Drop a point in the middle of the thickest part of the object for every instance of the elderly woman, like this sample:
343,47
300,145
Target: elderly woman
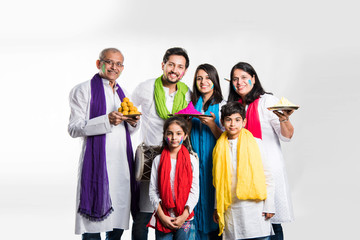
269,126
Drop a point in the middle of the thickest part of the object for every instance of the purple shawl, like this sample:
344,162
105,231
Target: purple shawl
95,202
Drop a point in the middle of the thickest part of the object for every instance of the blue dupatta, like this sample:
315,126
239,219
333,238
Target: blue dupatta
203,142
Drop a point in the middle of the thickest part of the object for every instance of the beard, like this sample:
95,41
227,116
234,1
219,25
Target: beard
171,81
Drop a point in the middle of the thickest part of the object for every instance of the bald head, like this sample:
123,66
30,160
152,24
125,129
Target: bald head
106,50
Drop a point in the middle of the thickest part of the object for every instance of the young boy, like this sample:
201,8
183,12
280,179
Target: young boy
242,179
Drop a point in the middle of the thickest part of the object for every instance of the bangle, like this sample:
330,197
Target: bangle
285,120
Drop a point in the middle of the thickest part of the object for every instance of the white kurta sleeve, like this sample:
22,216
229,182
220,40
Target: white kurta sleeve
136,128
223,103
136,96
215,202
272,118
269,203
188,95
194,191
80,125
153,187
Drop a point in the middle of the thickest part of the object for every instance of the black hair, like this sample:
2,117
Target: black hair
232,108
216,97
185,127
255,92
176,51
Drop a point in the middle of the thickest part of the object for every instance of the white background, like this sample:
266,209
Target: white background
307,51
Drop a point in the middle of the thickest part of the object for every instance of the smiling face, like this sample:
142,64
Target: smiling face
204,83
174,69
233,124
111,66
242,82
174,136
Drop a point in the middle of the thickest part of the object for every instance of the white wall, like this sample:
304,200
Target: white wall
307,51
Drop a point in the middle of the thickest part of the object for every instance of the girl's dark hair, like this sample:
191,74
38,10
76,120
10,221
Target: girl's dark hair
214,77
176,51
255,92
185,127
231,108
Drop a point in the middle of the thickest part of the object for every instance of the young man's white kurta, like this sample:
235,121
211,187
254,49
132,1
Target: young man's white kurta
151,126
116,157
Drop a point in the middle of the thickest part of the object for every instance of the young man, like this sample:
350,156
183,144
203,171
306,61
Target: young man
242,179
106,177
158,98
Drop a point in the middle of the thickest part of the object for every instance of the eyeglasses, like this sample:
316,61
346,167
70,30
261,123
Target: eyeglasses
110,62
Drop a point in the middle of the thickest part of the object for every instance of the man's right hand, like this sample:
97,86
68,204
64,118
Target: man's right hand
115,118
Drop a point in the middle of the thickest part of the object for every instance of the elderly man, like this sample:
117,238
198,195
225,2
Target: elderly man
158,97
106,186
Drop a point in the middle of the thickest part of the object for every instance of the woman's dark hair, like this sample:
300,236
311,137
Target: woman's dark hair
255,92
185,127
232,108
176,51
214,77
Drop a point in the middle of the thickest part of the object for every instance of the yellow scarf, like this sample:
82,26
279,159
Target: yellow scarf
250,173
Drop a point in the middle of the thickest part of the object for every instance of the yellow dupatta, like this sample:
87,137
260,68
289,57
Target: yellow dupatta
250,184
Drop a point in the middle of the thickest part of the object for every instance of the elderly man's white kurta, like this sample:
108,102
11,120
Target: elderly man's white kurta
116,157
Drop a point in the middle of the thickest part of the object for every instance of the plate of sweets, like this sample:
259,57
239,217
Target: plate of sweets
189,111
128,109
284,104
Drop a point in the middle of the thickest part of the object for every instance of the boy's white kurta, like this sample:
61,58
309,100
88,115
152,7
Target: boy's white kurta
271,134
151,126
154,190
243,219
116,157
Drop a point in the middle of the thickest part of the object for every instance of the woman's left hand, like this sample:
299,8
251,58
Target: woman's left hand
284,115
287,129
208,121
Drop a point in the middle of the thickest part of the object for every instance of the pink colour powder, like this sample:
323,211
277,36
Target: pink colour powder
190,109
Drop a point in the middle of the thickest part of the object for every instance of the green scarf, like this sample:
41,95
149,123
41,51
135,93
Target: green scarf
179,100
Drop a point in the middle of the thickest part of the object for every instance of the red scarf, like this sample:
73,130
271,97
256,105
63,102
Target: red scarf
253,119
182,184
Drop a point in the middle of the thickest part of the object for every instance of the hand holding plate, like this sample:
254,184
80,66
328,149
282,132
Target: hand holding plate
284,115
208,121
132,120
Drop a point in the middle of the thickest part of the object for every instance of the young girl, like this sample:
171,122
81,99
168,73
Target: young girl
207,98
174,183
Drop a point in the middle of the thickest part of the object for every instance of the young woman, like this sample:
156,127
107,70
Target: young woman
174,183
207,98
269,126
